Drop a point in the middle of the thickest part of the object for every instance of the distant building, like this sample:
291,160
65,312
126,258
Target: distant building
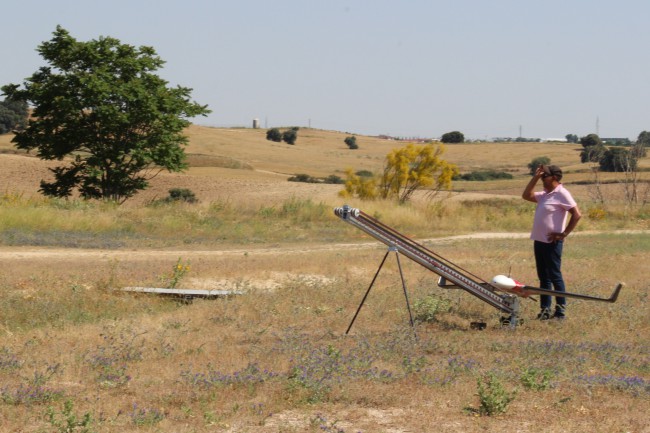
616,141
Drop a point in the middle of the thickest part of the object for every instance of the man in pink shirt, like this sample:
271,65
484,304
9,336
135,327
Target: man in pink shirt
550,229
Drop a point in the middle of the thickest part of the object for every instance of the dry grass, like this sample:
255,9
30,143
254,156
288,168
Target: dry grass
276,359
178,363
241,165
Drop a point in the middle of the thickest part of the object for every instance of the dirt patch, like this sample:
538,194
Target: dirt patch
275,281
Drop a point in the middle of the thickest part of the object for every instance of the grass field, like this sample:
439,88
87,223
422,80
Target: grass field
77,353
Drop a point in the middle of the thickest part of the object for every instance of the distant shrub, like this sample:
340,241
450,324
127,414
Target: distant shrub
305,178
597,213
290,136
364,187
536,162
331,179
351,142
181,194
364,173
274,134
334,179
485,175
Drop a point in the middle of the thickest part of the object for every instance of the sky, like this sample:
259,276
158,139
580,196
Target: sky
407,68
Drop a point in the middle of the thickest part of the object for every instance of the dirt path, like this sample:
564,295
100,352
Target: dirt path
32,253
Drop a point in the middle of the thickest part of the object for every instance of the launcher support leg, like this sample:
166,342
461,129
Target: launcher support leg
513,320
406,296
408,307
367,291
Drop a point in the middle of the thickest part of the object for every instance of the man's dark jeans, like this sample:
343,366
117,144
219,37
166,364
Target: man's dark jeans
548,258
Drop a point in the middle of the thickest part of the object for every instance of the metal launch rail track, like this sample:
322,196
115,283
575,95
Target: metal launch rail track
448,271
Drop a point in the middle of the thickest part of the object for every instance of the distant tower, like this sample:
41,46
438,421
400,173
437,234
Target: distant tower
597,126
520,131
256,123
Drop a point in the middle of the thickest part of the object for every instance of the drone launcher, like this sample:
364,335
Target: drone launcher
447,271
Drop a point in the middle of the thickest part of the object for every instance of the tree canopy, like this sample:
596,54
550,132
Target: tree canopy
13,115
274,134
593,148
618,159
102,103
639,149
290,136
572,138
351,142
453,137
591,140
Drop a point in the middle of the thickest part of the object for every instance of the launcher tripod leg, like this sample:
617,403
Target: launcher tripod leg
408,307
513,320
406,296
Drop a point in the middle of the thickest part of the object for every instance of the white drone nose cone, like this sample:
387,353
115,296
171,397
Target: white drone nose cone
503,282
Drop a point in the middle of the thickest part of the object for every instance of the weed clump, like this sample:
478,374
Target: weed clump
68,421
493,397
428,308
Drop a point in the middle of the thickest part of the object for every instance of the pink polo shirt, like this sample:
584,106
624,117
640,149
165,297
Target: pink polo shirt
551,212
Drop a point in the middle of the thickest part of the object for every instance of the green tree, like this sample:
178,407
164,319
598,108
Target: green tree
452,137
102,103
274,134
572,138
536,162
13,115
592,153
618,159
639,149
631,181
290,136
593,148
591,140
351,142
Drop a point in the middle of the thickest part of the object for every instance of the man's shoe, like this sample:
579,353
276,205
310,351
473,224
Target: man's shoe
559,313
545,314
